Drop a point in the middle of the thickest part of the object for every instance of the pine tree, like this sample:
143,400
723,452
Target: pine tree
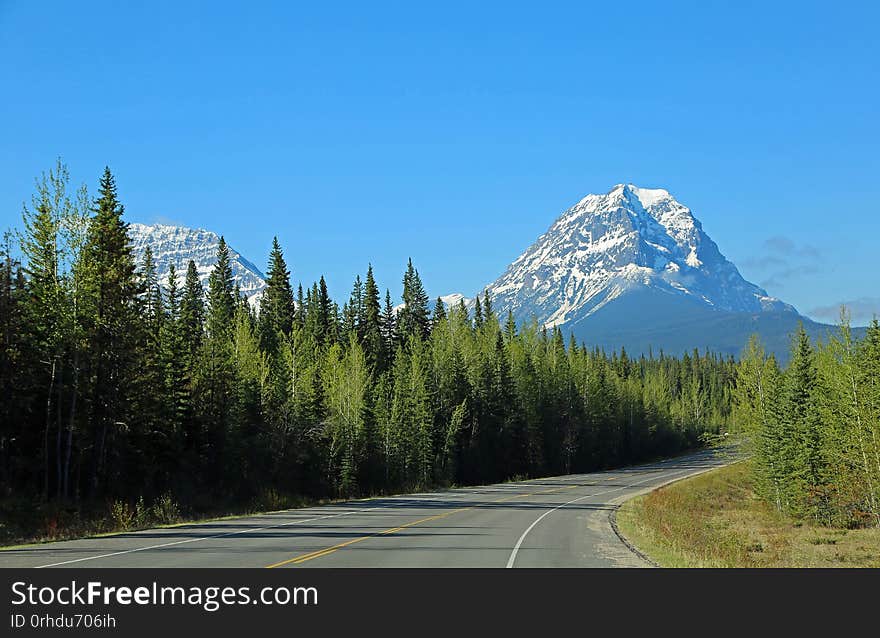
14,363
192,315
276,304
356,308
326,314
439,313
113,327
413,318
148,433
174,357
46,299
215,373
299,315
221,295
371,333
389,324
488,312
510,327
801,420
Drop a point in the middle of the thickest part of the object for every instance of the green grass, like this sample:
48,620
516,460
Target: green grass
716,520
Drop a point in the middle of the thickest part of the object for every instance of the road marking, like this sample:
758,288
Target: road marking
204,538
329,550
302,558
519,543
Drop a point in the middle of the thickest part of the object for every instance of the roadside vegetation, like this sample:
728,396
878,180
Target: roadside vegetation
24,520
718,519
808,494
813,429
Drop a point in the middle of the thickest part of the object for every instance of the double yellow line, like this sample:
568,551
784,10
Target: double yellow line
296,560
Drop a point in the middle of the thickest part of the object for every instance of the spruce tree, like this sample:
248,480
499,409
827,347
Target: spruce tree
802,453
221,295
439,312
192,315
113,327
413,319
372,337
488,312
299,315
326,314
389,324
46,301
276,304
478,313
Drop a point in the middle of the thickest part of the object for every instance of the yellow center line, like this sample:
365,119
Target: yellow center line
296,560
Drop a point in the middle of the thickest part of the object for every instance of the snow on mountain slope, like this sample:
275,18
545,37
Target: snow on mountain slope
626,240
449,301
178,244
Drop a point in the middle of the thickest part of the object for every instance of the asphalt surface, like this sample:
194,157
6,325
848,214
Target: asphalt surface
550,522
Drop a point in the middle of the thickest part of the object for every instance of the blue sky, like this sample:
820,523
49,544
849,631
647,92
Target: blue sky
455,133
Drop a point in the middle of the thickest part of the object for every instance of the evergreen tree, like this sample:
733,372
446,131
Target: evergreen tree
374,343
389,324
221,295
276,304
801,420
192,315
46,303
112,329
439,312
413,318
488,312
14,360
326,314
299,315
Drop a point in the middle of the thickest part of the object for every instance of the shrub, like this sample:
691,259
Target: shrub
122,515
166,510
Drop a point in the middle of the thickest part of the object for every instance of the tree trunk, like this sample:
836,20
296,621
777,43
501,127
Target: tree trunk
58,431
46,431
65,486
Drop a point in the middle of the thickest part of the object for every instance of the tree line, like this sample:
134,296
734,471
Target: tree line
119,386
813,429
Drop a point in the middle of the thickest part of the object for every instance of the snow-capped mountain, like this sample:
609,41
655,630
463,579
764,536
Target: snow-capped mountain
608,245
633,267
178,244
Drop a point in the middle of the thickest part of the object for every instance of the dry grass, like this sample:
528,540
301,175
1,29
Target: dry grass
715,520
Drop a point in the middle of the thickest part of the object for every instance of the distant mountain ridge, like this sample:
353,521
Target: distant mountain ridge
634,268
629,268
179,245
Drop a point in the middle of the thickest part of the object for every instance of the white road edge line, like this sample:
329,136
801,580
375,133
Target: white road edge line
519,543
205,538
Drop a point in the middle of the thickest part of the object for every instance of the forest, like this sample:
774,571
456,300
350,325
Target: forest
812,430
124,392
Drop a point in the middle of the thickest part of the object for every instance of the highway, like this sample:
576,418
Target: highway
549,522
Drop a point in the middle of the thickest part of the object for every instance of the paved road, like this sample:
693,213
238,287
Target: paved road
550,522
